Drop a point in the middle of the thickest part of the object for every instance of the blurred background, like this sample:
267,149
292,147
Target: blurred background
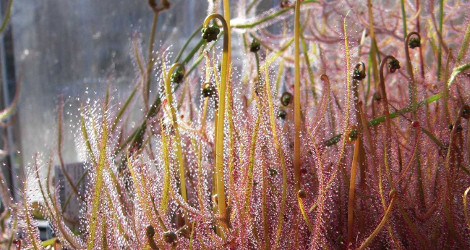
74,49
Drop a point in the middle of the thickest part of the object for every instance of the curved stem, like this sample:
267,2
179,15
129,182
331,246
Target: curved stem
179,152
410,71
386,112
414,104
219,147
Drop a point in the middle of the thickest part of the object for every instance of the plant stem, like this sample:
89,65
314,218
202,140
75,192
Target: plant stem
150,59
280,152
465,209
195,32
418,29
381,224
297,115
269,17
309,68
464,46
95,205
7,16
59,152
439,50
414,104
373,48
386,114
403,16
219,147
179,151
352,185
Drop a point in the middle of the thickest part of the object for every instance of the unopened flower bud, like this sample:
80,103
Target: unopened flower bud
286,98
414,43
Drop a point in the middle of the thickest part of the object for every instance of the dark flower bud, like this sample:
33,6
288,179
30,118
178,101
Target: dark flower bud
414,43
393,65
359,74
377,96
169,237
150,231
208,90
272,171
153,4
302,194
415,124
178,75
286,98
165,4
282,114
255,46
352,136
210,33
465,112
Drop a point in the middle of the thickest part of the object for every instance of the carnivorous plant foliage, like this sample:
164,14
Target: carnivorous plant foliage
288,146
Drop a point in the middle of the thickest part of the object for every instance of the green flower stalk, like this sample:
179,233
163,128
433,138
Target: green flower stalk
219,141
179,153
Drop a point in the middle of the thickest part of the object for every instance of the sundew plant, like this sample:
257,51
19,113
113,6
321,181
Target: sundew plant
340,125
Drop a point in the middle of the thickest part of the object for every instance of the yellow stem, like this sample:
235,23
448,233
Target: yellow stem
352,184
219,147
98,186
373,43
465,209
179,153
166,180
280,218
304,214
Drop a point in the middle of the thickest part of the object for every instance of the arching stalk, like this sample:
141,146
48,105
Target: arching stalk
219,142
386,113
179,153
414,105
412,87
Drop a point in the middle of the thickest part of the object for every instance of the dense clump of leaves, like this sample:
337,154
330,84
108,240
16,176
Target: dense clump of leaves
379,166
